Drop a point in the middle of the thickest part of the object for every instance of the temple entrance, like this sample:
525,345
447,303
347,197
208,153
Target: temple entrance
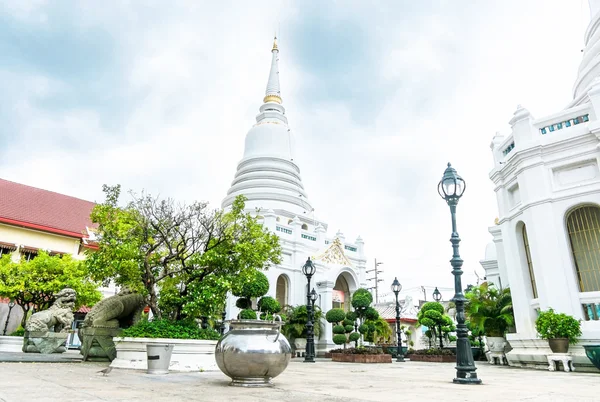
281,290
341,293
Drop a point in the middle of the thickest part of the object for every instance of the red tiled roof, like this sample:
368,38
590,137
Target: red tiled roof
84,309
45,210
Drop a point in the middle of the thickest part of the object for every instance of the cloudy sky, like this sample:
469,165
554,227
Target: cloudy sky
381,95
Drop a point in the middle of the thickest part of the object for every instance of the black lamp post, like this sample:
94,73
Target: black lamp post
309,269
11,304
313,298
222,327
451,188
437,296
396,288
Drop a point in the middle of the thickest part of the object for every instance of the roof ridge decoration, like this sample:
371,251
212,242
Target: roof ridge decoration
334,254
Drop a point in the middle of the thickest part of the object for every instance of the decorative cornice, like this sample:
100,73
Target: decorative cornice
272,98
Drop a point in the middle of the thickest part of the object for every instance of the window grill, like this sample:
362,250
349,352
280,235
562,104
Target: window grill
583,225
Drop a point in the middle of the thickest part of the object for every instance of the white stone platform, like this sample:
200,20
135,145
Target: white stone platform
188,354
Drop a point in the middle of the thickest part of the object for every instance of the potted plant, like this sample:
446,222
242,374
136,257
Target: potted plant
491,310
559,329
294,327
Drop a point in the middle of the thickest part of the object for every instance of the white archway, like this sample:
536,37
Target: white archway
345,284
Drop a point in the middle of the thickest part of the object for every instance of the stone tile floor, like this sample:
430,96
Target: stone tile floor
321,381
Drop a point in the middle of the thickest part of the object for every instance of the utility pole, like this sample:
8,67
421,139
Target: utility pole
375,278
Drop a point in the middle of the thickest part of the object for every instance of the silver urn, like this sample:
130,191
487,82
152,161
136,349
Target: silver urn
253,352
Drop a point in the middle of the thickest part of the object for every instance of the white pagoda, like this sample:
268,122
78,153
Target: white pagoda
269,177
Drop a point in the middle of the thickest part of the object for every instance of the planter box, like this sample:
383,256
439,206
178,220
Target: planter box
432,358
188,354
341,357
11,343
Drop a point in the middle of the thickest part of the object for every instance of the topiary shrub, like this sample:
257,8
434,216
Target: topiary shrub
335,315
351,315
347,322
268,304
339,329
253,284
363,329
355,336
243,303
371,314
247,314
361,299
339,339
349,328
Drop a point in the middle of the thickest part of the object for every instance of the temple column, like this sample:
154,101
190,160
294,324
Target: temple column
325,289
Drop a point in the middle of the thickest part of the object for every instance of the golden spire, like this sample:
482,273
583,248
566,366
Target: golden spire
275,43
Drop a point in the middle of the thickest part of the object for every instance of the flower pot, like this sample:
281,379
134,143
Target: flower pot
253,352
496,344
593,353
559,345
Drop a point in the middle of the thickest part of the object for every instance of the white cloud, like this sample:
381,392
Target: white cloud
192,78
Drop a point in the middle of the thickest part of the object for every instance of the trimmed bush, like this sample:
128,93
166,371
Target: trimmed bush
339,329
371,314
347,322
248,314
339,339
268,304
335,315
355,336
243,303
254,284
363,329
187,329
351,315
349,328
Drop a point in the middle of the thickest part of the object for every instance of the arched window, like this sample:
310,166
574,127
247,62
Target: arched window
304,226
281,290
583,225
529,262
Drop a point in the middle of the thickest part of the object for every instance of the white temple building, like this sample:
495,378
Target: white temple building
546,241
269,177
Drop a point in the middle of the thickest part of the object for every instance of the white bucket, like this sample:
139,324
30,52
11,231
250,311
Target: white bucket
159,358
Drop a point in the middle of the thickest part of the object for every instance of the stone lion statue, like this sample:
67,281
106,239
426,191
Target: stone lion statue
104,322
58,318
47,331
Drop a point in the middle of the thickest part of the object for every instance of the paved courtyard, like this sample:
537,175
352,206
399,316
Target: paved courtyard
322,381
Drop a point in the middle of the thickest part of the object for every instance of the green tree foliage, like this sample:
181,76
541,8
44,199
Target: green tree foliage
296,319
32,284
433,316
190,255
251,283
490,309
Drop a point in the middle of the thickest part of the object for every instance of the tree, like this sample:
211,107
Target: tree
433,316
32,284
190,255
490,309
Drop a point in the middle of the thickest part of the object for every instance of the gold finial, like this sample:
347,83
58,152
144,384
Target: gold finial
496,221
275,44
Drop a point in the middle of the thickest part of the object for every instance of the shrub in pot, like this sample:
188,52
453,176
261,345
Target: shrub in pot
559,329
491,310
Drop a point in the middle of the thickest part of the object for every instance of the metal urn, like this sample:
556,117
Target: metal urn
253,352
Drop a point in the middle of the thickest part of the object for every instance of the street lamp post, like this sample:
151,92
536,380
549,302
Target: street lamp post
308,269
396,288
11,304
313,298
451,188
437,296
